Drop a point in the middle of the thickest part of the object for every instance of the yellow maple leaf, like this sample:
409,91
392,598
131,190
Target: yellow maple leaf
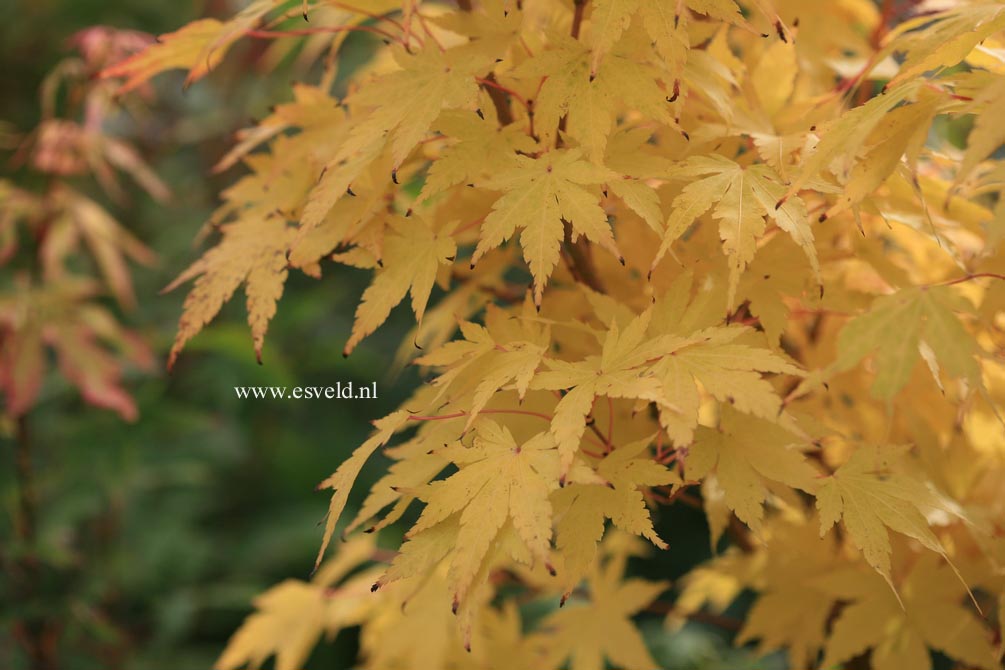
396,110
799,581
483,363
901,131
727,370
665,23
415,629
945,39
490,31
871,495
403,104
740,197
252,252
416,463
411,255
618,372
848,133
342,479
986,136
743,452
538,195
900,633
590,99
498,481
896,327
481,150
198,48
583,507
291,616
182,49
586,633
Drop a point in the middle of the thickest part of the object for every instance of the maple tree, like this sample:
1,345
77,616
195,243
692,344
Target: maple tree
697,252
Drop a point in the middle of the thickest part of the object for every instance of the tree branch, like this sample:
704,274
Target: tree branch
577,17
34,632
499,100
576,255
717,620
579,260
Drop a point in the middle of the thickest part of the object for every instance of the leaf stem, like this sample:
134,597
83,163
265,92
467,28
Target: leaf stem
610,423
304,32
429,32
960,280
458,415
373,15
490,81
577,17
717,620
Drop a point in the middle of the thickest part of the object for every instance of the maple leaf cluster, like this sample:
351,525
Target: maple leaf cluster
701,251
62,251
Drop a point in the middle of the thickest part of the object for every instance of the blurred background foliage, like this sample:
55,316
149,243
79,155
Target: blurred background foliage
154,536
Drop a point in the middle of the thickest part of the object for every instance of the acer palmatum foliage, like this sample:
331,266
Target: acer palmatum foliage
48,303
695,252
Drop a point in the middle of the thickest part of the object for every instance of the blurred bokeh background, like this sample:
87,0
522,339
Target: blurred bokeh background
152,537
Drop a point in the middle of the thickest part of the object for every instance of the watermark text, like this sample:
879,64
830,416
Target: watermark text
341,391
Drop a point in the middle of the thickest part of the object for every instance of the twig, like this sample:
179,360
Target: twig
26,482
304,32
33,631
960,280
373,15
717,620
494,83
576,255
610,423
458,415
577,17
740,535
429,32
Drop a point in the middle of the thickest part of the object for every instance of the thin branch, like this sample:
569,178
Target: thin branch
372,15
34,632
497,94
429,32
577,257
718,620
491,81
591,423
740,535
25,483
577,18
610,423
883,25
960,280
304,32
469,225
508,293
458,415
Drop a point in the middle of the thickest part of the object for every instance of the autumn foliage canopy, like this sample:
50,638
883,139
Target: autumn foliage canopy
746,256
